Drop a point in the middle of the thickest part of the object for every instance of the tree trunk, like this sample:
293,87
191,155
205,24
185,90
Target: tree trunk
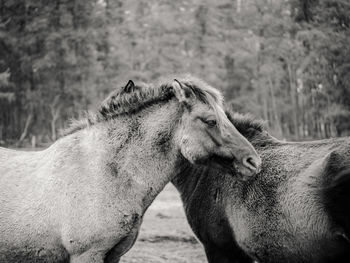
265,97
239,6
274,107
201,17
55,113
303,115
26,127
294,99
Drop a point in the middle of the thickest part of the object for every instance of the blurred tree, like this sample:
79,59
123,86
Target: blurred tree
287,61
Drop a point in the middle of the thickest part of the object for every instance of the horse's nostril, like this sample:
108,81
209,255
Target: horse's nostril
252,163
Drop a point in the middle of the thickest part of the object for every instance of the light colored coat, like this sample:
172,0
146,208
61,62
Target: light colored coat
82,199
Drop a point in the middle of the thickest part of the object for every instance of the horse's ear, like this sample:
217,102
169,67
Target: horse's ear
182,93
129,87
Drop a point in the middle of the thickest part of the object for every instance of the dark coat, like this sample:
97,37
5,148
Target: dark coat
295,210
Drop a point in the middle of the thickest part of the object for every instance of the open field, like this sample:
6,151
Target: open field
165,235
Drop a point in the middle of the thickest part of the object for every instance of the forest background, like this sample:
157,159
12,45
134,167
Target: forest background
286,61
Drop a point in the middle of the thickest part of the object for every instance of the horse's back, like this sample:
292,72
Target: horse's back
18,178
16,168
11,159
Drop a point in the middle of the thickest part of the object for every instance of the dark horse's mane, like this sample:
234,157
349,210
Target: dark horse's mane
244,122
255,130
126,100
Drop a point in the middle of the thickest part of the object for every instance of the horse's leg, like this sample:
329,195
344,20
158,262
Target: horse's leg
113,256
221,255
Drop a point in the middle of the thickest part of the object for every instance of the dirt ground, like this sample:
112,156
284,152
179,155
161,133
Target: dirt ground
165,235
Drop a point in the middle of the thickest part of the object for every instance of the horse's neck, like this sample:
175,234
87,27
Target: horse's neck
187,178
145,150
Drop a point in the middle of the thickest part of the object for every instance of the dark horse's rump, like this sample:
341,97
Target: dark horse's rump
295,210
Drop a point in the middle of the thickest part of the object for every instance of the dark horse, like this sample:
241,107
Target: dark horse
295,210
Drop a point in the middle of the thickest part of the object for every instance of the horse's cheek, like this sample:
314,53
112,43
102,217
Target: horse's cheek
194,153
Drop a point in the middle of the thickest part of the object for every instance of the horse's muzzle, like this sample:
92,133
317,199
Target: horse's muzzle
252,163
247,168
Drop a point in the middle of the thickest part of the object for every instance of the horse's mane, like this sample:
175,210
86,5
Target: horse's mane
244,122
250,127
128,100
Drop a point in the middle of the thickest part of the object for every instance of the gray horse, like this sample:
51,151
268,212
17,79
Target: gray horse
296,210
82,199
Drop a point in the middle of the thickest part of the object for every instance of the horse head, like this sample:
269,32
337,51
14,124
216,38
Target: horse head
206,135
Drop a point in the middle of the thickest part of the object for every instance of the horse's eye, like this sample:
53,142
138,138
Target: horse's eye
210,123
